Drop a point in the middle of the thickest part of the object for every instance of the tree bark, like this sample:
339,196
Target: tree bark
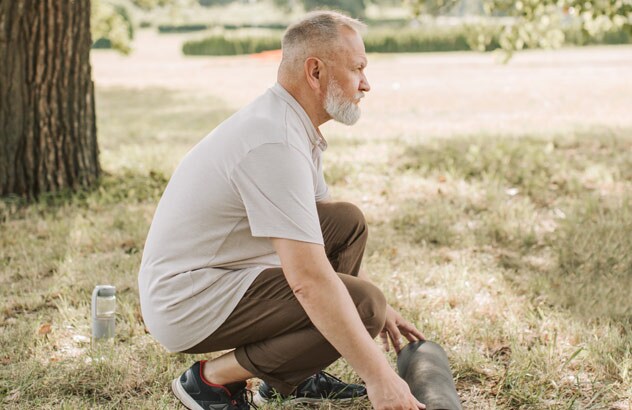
47,118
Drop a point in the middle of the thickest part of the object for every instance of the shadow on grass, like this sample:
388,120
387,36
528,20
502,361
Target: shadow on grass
544,169
556,214
54,252
126,187
593,250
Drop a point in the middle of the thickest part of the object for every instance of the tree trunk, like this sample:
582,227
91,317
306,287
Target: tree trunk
47,120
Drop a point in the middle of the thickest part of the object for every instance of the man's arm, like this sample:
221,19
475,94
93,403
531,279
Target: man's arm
396,326
328,304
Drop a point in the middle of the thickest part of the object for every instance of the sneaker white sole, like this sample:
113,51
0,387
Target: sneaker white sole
182,395
259,400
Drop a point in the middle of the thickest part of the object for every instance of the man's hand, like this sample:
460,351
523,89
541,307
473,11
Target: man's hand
396,327
392,393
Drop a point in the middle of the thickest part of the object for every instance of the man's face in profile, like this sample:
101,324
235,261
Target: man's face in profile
347,82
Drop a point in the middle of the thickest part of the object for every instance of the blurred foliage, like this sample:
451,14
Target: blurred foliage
210,3
542,23
383,40
111,25
537,23
432,7
354,8
150,4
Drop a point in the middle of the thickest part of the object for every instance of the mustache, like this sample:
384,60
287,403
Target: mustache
359,95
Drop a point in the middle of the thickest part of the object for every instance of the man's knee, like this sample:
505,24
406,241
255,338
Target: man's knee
349,218
371,307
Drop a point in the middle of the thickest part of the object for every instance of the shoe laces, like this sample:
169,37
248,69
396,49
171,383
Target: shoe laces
329,379
243,399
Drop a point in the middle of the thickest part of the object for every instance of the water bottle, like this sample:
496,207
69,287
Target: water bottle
103,313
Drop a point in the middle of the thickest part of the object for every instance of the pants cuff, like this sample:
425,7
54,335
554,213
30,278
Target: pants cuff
279,385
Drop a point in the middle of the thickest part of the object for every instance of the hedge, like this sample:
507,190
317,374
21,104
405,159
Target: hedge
271,26
407,40
581,38
416,41
221,46
182,28
102,43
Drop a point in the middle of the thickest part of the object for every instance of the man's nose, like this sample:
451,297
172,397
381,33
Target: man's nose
364,84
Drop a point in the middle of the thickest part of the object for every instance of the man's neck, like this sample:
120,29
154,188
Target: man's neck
305,98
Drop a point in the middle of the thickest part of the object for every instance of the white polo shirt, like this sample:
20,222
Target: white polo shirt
257,175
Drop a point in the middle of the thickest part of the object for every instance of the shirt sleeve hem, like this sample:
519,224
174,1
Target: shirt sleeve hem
291,236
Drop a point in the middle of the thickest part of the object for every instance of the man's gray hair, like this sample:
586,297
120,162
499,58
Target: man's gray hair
314,35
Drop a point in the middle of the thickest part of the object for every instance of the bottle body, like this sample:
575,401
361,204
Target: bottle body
103,313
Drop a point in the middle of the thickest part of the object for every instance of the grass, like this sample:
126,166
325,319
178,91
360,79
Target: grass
512,252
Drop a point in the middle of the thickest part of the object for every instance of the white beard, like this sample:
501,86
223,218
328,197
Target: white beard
341,110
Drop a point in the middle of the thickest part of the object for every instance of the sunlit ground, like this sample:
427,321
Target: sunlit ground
498,198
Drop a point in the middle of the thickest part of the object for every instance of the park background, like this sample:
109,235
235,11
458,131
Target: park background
496,184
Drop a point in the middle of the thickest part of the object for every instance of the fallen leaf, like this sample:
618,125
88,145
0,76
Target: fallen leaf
45,329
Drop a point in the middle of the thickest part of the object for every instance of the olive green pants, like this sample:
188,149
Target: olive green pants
273,337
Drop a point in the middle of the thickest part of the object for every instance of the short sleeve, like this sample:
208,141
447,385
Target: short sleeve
322,191
276,185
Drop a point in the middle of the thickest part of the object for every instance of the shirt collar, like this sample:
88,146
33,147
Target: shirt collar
314,134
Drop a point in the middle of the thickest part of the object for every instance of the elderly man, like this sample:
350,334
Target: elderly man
248,252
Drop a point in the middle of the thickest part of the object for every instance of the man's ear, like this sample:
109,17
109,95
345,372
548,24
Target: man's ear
314,72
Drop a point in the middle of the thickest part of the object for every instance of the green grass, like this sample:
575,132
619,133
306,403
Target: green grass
512,252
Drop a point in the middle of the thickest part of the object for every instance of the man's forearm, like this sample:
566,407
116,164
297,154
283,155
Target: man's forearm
331,309
328,304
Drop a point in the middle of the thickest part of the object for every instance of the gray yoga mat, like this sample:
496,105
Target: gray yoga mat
424,366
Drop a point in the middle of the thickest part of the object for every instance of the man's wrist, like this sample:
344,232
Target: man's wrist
377,369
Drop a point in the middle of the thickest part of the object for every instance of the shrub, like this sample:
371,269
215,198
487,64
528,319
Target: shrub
415,40
355,8
384,40
120,15
268,26
102,43
221,45
578,37
183,28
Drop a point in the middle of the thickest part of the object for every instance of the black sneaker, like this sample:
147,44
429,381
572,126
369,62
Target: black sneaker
319,387
198,394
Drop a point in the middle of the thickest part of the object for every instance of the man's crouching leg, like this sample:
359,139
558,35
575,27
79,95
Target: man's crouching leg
275,339
345,233
289,358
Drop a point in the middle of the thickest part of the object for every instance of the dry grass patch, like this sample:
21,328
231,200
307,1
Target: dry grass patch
513,253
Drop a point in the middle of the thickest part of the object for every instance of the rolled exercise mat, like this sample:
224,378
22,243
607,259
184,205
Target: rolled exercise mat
424,366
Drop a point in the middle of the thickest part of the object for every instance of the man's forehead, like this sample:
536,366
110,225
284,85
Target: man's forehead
352,47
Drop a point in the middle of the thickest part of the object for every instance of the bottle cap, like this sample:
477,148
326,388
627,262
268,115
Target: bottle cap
106,290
